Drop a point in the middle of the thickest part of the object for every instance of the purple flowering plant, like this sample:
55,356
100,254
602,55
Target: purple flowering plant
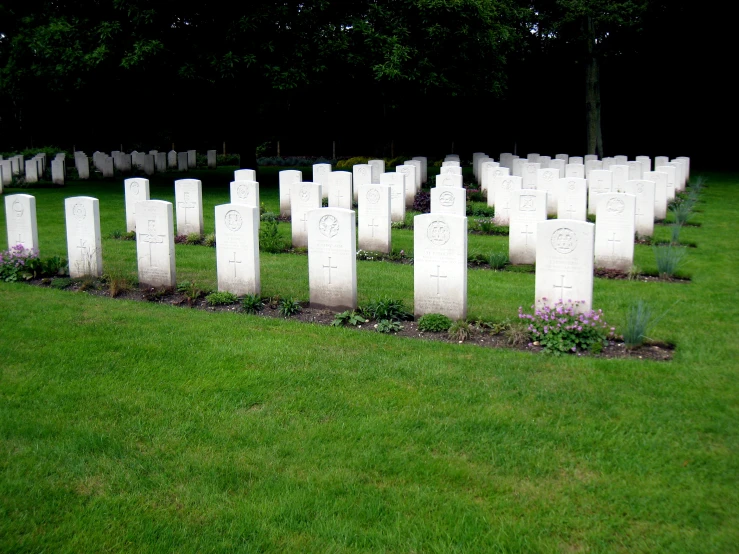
17,262
561,329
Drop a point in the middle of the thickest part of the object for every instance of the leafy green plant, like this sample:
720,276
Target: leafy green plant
269,236
60,282
252,303
480,209
194,238
190,291
117,234
221,298
387,308
16,262
388,326
498,260
209,240
349,317
434,323
495,327
668,258
562,328
459,330
288,307
633,273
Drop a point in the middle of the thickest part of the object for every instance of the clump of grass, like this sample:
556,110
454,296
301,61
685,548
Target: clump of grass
190,291
498,260
633,273
209,240
459,330
221,298
668,259
117,283
675,233
387,308
288,307
682,211
194,238
639,320
434,323
269,236
252,303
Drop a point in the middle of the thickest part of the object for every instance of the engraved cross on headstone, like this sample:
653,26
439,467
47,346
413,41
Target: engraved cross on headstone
184,206
150,239
330,267
234,261
84,250
305,222
571,210
372,227
613,242
561,287
526,234
437,277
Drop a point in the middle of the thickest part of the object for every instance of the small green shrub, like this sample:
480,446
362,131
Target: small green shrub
498,260
190,291
269,236
288,307
388,326
117,234
221,298
387,308
194,238
459,330
209,240
252,303
668,258
15,263
638,321
434,323
633,273
349,317
480,209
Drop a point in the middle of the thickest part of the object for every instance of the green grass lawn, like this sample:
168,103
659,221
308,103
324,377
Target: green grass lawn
128,426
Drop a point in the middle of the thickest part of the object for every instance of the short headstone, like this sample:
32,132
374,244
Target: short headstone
572,199
517,169
32,171
487,174
245,175
134,190
107,167
590,157
548,181
138,159
614,231
181,161
493,180
564,157
188,195
643,190
450,163
575,170
646,163
545,161
160,162
530,174
449,180
287,179
83,166
504,189
564,263
440,265
532,158
449,200
560,165
304,197
635,170
192,160
396,182
591,165
245,193
620,176
332,259
155,244
671,178
506,160
340,190
361,175
15,165
528,207
621,160
211,159
6,172
660,193
608,162
373,205
424,167
378,168
237,249
57,171
149,164
320,176
599,182
20,219
418,179
171,159
409,172
679,175
124,162
659,161
84,244
576,160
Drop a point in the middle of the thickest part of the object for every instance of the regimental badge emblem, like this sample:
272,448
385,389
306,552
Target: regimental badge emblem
242,191
134,188
615,206
328,226
78,210
373,196
564,240
305,193
438,232
527,203
446,199
233,220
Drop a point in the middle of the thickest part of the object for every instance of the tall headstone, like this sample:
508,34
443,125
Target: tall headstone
599,182
211,159
340,190
245,193
528,207
449,180
559,165
614,231
424,168
287,179
361,175
575,170
660,161
332,259
564,263
493,179
320,176
171,159
396,182
135,190
182,161
149,164
57,171
107,167
643,190
504,189
646,163
155,244
417,174
373,205
125,163
189,198
671,179
304,197
84,244
449,200
192,160
530,174
620,175
591,165
160,162
487,173
20,219
440,265
245,175
378,168
83,166
660,193
635,170
32,171
409,172
6,172
548,181
237,249
572,199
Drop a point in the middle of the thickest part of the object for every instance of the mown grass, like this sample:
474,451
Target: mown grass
141,427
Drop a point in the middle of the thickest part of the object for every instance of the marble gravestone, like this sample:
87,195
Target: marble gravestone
548,181
533,158
643,190
211,159
20,220
373,205
237,249
340,190
451,170
396,182
378,168
361,175
57,171
620,160
424,167
245,175
660,161
449,180
287,179
155,244
489,170
528,207
493,179
564,157
440,265
83,166
245,193
189,198
160,162
620,174
192,160
517,169
409,172
304,197
181,161
6,172
646,163
449,200
591,158
572,199
614,231
530,174
564,264
671,178
171,159
576,160
32,171
635,170
660,193
107,167
590,165
149,164
575,170
504,189
332,259
84,244
599,182
418,180
135,190
321,174
559,165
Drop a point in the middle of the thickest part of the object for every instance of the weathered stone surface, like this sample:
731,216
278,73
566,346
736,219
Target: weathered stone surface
528,207
84,244
155,244
135,190
237,248
189,197
332,259
374,217
20,220
614,231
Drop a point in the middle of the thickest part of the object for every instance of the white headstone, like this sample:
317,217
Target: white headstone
84,244
572,199
506,160
409,171
449,180
660,193
32,171
378,168
155,244
608,162
449,200
504,189
107,167
287,179
614,231
134,190
590,157
440,265
564,157
533,158
160,162
182,161
575,170
188,195
560,165
660,161
418,173
304,197
320,176
620,176
591,165
424,167
211,159
332,259
149,164
548,181
576,160
671,178
83,166
528,207
621,160
57,171
396,182
493,180
545,161
340,190
599,182
374,217
530,173
643,190
450,163
487,174
245,193
6,172
20,219
635,170
646,163
245,175
191,159
564,263
171,159
237,249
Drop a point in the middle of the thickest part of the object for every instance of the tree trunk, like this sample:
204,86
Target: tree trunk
594,136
